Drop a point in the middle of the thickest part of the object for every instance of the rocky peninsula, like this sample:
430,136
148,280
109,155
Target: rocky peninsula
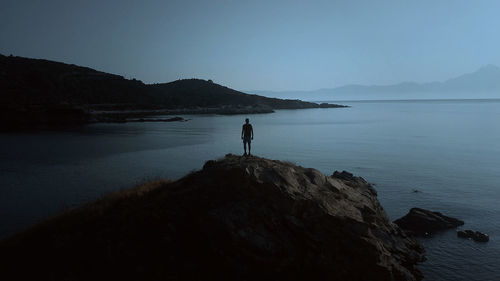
42,93
238,218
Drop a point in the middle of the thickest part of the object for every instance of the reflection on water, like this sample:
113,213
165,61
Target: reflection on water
449,150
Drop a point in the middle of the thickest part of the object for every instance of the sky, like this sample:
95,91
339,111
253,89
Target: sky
259,45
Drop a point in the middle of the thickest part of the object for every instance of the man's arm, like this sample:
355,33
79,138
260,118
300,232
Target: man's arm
251,130
242,131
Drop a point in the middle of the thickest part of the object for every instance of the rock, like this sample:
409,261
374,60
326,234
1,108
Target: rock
236,219
422,222
481,237
343,175
476,236
352,181
465,233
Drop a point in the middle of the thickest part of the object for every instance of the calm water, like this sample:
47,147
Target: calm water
449,150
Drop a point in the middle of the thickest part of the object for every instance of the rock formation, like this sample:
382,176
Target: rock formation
422,222
474,235
236,219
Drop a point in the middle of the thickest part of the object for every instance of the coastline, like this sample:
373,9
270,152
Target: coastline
130,115
66,116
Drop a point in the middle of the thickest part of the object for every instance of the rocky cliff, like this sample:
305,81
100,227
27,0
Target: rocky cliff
236,219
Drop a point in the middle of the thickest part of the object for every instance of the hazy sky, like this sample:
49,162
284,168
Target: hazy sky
264,45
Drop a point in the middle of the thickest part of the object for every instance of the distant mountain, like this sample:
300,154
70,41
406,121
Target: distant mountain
36,91
483,83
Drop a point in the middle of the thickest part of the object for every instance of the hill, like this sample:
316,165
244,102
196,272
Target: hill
43,91
483,83
236,219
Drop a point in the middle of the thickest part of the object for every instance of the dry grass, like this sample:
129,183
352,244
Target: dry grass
122,200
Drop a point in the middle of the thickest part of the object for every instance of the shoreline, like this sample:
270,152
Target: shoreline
64,117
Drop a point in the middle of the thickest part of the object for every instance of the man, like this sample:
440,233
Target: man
247,136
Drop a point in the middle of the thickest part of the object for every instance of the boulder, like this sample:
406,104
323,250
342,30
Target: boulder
423,222
474,235
353,181
343,175
239,218
465,233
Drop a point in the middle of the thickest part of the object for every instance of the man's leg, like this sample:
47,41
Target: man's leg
249,147
245,147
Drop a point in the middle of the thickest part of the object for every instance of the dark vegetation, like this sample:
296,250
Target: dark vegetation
35,91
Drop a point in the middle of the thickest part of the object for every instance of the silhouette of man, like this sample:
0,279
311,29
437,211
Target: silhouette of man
247,136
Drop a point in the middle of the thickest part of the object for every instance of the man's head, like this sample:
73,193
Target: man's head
247,121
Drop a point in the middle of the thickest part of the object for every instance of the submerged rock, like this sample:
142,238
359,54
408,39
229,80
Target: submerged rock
474,235
421,222
239,218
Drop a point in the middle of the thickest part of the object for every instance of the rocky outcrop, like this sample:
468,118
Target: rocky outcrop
474,235
423,222
236,219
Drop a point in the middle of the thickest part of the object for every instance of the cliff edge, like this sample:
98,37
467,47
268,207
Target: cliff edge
236,219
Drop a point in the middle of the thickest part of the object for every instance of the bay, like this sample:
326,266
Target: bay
449,150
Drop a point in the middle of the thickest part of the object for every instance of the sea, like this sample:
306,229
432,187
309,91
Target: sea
446,150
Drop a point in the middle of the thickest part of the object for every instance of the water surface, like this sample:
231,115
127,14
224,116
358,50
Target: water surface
449,150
